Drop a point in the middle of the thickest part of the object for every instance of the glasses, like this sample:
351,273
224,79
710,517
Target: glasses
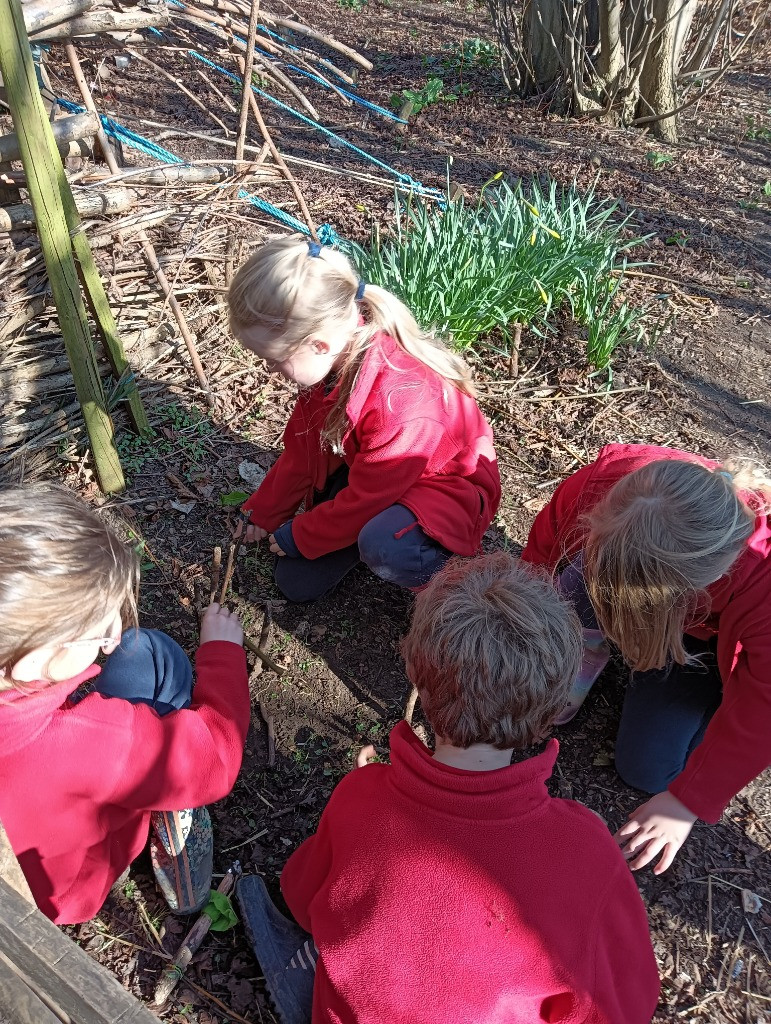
107,643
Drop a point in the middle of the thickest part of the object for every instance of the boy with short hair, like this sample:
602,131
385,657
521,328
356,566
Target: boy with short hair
449,886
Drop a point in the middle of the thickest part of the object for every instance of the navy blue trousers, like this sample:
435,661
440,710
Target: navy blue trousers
148,668
666,711
392,544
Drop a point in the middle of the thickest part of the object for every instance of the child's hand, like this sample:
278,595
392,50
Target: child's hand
365,755
220,624
255,533
275,548
661,824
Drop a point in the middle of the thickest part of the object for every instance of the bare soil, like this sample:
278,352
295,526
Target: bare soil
704,386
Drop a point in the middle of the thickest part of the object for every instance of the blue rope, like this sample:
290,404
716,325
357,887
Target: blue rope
326,232
405,179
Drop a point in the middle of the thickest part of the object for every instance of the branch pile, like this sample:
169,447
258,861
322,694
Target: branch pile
165,236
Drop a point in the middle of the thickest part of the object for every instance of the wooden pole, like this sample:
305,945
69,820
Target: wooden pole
47,183
246,91
147,246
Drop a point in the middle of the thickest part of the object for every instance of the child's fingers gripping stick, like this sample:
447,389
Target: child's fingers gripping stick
220,624
254,534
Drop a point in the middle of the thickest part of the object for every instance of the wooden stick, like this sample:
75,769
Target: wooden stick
268,720
243,117
191,942
409,707
215,573
278,158
228,573
147,246
51,196
65,130
266,659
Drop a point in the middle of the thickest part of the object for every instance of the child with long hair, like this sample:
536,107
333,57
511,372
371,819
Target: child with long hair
667,555
80,775
386,445
449,885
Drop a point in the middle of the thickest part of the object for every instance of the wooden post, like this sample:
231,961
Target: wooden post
57,968
47,183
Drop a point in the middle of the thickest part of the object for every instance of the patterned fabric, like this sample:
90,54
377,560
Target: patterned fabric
181,851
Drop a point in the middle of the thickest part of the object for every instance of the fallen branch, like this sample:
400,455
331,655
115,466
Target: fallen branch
90,204
42,14
65,129
97,22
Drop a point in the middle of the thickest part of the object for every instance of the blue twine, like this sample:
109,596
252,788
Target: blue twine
405,179
326,232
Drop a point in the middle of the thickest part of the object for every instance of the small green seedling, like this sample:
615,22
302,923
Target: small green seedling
657,160
432,92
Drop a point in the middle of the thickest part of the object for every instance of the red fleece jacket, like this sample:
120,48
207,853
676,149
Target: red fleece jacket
737,745
414,439
435,894
78,783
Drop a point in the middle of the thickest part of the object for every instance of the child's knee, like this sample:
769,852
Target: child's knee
638,772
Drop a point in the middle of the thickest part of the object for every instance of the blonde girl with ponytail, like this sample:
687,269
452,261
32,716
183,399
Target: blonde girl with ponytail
667,556
386,447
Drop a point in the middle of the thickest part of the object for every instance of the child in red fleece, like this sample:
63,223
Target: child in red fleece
386,444
449,886
668,555
80,775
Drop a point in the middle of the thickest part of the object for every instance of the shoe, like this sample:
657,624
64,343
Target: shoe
285,952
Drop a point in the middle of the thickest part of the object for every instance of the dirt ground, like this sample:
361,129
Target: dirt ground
704,386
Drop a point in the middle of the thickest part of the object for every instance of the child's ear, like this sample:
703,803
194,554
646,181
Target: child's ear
30,667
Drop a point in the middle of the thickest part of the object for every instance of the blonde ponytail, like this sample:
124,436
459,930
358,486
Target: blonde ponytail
660,537
291,293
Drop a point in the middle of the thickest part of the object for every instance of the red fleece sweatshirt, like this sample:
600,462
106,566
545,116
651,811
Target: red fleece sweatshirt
78,783
414,439
435,894
737,744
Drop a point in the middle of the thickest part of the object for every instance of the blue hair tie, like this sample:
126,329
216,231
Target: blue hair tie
360,291
314,248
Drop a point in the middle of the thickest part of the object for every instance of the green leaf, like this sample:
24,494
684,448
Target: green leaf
220,910
233,498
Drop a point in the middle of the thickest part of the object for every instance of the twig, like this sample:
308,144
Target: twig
266,659
228,573
409,707
757,939
215,572
250,839
709,915
182,88
246,92
268,720
218,1002
190,944
277,156
198,599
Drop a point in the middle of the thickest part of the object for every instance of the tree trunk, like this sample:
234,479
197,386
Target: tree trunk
657,80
